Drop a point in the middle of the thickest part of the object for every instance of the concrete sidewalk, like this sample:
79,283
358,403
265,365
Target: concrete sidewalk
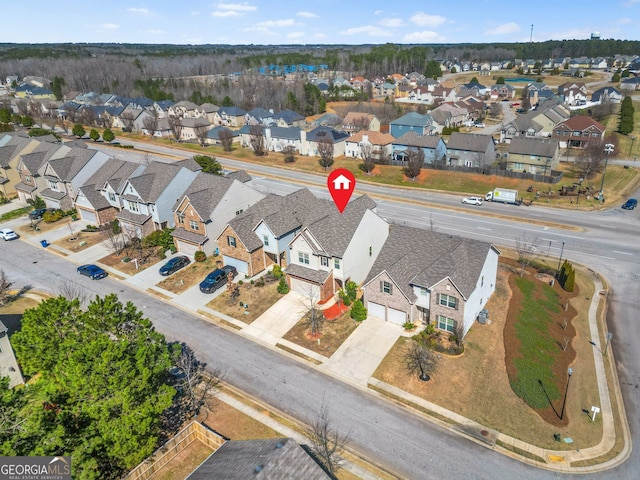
274,323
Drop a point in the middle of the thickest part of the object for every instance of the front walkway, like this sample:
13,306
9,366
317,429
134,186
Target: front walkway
360,354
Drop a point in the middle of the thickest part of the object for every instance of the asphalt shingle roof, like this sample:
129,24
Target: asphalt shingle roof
542,147
412,256
412,139
206,191
413,119
154,179
470,142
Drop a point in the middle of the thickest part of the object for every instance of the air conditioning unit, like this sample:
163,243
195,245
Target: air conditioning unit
483,316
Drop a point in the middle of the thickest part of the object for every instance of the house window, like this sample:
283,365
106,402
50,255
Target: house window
482,281
370,250
27,179
303,258
112,197
336,263
133,206
194,225
446,323
324,261
385,287
231,241
447,300
181,219
265,240
424,291
238,212
53,185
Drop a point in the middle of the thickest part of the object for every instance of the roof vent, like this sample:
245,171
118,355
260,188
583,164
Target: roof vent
279,445
258,469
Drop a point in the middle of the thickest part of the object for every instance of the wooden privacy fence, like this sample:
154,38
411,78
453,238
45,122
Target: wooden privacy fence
192,432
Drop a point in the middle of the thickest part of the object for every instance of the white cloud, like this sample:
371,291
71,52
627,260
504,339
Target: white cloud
371,30
295,35
237,7
319,36
227,13
426,20
138,11
307,14
110,26
155,31
377,12
391,22
624,20
503,29
422,37
276,23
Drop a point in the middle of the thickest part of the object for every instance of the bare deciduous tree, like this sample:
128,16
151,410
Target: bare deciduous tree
326,441
5,286
256,139
325,150
415,162
314,316
88,117
201,133
175,126
72,290
193,378
420,360
368,157
226,139
289,153
127,120
526,248
116,241
150,122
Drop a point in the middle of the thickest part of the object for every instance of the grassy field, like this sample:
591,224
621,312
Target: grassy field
259,300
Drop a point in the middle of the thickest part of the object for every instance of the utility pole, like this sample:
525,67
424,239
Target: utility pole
531,35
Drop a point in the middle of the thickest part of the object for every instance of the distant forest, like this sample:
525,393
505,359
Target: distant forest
196,71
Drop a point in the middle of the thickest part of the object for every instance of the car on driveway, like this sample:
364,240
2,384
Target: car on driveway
8,234
472,200
628,205
173,265
217,279
479,125
94,272
38,213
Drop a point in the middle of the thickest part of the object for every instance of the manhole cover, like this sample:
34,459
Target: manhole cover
484,433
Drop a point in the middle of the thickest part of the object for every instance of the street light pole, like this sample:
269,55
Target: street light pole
608,150
560,259
564,402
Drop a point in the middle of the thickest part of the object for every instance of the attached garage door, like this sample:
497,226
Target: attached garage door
89,216
305,289
187,248
396,316
241,266
375,310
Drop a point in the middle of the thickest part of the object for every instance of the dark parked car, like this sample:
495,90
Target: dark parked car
173,265
217,278
630,204
38,213
94,272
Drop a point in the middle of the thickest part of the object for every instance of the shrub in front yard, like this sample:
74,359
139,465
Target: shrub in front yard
200,256
161,253
283,288
344,297
352,289
277,271
358,311
160,238
52,216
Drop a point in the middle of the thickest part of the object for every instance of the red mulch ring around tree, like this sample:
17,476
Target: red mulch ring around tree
334,311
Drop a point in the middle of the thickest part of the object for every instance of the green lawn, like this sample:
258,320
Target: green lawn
537,346
15,213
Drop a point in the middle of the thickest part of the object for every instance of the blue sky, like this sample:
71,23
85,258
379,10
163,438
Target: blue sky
316,21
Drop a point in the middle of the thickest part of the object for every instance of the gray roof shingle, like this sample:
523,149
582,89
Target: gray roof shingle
154,179
413,256
542,147
412,139
470,142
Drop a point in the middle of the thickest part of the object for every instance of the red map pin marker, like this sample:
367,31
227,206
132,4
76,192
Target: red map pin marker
341,184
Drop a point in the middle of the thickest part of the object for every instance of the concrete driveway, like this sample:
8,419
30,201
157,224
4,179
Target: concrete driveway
359,356
278,319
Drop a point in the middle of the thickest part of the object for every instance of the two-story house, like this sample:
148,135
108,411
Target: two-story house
578,132
64,176
260,236
429,277
98,200
573,93
148,198
533,155
31,181
378,144
326,134
289,118
276,139
206,207
471,150
259,116
411,122
335,249
433,146
356,121
230,117
12,145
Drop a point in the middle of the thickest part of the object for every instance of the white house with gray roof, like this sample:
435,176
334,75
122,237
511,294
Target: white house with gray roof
8,364
533,155
148,198
429,277
336,248
471,150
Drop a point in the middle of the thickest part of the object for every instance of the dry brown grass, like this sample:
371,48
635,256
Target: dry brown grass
43,226
476,384
334,333
18,306
233,424
190,275
259,300
116,261
80,241
184,462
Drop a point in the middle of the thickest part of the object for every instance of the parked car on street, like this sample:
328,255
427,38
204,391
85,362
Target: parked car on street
173,265
472,200
630,204
217,279
94,272
8,234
